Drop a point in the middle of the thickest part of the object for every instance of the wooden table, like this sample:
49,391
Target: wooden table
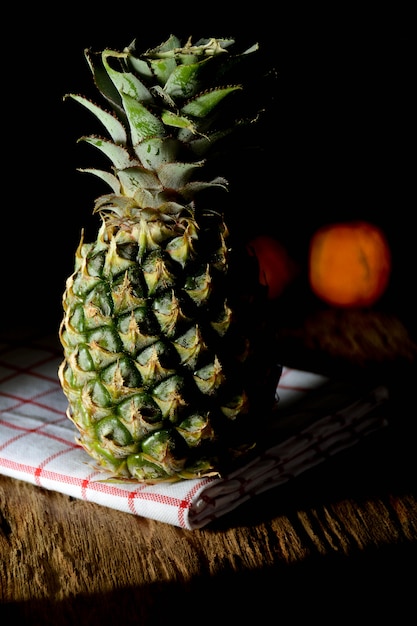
337,543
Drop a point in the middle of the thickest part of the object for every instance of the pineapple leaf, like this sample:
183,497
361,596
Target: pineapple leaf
140,66
184,81
204,47
134,178
162,68
143,124
252,49
107,177
103,82
155,151
177,121
158,91
118,155
172,43
116,203
204,103
115,128
190,189
176,175
126,82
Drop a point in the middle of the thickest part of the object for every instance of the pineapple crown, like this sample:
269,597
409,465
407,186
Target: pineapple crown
167,113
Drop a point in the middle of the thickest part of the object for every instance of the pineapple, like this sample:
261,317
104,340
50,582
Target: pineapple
169,365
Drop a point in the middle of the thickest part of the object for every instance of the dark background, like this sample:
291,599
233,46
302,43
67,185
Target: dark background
339,137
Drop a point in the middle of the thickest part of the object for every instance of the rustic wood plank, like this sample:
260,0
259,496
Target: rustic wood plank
54,546
61,556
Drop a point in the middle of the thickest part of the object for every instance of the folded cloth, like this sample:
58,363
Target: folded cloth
315,418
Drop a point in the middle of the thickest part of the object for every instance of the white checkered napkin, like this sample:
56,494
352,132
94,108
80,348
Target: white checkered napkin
37,442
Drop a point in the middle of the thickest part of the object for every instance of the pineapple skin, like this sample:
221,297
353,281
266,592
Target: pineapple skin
169,359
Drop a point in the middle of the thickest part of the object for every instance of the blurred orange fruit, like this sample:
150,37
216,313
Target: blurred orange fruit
349,263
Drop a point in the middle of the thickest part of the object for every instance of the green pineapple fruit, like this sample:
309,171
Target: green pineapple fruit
169,366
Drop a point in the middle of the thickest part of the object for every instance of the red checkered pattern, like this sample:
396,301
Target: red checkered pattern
37,441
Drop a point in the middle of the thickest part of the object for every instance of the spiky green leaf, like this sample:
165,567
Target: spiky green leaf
203,104
103,82
189,190
107,177
125,82
184,81
158,150
143,124
170,118
113,126
165,49
134,178
176,175
118,155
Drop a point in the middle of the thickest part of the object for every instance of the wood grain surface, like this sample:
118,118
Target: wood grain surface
336,543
